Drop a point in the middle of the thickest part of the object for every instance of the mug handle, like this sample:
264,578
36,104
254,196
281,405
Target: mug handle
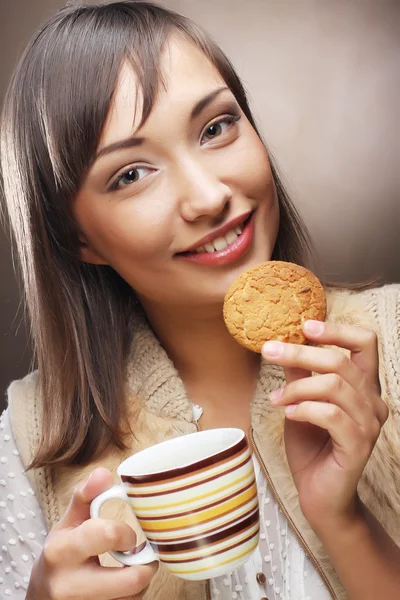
144,556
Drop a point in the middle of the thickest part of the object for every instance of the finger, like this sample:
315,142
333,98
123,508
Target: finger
349,443
362,343
326,388
319,360
104,583
294,374
91,538
78,510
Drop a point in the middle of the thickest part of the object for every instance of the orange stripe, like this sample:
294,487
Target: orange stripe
226,541
202,555
205,530
190,500
209,515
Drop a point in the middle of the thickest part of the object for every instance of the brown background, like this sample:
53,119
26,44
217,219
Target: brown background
324,81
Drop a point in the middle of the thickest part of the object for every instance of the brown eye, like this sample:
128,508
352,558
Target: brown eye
214,130
219,128
130,176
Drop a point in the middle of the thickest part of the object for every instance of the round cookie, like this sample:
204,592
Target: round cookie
271,302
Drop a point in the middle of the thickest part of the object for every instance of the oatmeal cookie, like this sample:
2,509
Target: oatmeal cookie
271,302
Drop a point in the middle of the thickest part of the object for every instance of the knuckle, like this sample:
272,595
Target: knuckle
371,337
119,535
385,414
52,552
75,500
335,382
335,413
375,429
77,494
111,533
297,352
341,362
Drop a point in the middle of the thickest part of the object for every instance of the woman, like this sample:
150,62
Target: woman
138,188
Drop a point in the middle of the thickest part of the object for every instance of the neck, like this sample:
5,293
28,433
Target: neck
203,352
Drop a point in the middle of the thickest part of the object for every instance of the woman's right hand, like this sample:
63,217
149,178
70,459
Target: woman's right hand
68,566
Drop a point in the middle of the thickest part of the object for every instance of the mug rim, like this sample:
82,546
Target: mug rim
154,475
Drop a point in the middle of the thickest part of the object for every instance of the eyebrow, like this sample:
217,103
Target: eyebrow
133,141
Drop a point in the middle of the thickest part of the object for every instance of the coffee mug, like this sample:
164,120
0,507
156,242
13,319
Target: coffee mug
195,498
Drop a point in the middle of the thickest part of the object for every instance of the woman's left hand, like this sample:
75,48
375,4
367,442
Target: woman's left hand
333,419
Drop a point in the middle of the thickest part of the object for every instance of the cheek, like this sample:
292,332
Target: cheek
127,230
253,174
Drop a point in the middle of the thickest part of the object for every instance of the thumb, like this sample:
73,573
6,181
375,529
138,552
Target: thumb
78,509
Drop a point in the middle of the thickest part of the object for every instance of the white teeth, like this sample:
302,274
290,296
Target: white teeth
231,236
220,243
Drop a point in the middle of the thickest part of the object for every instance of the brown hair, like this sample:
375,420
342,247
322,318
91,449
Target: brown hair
53,116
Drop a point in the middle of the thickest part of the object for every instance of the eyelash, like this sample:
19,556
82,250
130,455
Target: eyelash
229,119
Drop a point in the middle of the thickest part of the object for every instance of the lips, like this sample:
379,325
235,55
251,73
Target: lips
218,233
209,254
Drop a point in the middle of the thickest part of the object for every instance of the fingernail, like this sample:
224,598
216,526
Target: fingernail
273,349
315,327
290,408
276,395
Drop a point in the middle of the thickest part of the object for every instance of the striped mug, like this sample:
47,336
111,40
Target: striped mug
195,498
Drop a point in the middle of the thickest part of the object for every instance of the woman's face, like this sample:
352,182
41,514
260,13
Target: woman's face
183,205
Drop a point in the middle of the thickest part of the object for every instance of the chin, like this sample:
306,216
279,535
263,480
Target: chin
218,285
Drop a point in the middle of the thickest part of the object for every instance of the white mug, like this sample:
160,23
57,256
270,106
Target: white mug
195,498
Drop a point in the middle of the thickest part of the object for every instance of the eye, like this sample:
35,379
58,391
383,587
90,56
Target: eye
219,128
130,176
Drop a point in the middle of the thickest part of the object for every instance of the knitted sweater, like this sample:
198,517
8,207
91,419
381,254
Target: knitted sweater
160,409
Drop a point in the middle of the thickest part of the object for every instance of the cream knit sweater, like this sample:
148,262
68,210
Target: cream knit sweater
161,409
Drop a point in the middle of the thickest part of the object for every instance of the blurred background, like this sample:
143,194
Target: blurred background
324,83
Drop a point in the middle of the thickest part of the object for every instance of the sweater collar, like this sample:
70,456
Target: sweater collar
155,382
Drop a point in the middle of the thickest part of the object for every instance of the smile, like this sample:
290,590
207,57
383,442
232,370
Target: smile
220,243
223,249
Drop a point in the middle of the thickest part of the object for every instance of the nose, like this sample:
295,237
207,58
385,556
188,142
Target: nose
202,192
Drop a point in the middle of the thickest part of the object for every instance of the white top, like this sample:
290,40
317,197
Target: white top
288,572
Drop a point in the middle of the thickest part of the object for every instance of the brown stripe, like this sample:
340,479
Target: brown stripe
193,511
190,485
209,555
191,525
208,540
226,525
171,474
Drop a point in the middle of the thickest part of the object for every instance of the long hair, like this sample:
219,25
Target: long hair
54,112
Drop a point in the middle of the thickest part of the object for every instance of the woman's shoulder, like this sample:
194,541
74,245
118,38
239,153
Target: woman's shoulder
379,306
22,397
23,411
26,385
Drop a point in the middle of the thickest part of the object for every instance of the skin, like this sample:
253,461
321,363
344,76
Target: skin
68,567
187,188
192,184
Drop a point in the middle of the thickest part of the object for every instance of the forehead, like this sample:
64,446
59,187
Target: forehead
187,75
